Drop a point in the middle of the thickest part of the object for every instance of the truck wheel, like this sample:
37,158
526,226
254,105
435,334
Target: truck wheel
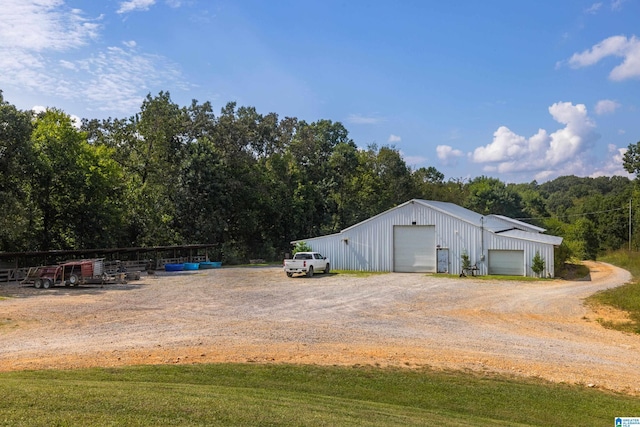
37,283
73,279
289,274
327,269
46,283
310,272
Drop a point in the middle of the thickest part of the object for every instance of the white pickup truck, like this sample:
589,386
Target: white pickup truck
307,263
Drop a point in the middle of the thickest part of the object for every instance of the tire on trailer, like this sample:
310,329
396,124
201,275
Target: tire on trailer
327,268
310,271
37,283
46,283
74,279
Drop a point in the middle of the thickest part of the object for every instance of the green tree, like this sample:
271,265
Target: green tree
582,239
77,187
631,158
383,180
301,247
316,187
429,183
16,165
491,196
344,164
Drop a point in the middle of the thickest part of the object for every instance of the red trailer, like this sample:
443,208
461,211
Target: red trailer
70,273
42,277
86,271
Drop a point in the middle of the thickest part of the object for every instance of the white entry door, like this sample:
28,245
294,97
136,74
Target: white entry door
443,260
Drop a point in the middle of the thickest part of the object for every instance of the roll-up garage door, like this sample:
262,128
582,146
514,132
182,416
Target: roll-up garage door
508,263
414,248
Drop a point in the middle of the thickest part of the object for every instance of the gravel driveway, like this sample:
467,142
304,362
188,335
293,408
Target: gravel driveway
538,329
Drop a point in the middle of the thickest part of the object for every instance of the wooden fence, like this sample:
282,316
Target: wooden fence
12,274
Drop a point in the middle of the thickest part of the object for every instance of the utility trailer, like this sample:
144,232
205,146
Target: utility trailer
70,273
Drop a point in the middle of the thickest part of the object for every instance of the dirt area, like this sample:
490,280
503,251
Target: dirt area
534,329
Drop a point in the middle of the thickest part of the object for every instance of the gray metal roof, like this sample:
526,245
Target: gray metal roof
518,223
495,223
498,224
534,237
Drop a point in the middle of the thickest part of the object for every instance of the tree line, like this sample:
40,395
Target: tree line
249,184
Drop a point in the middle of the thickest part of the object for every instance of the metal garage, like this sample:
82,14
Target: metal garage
412,236
414,249
506,262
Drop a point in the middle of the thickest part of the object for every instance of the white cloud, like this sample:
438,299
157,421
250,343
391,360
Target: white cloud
39,25
36,39
617,4
118,79
606,106
543,153
414,161
593,9
135,5
394,138
614,163
448,155
621,46
30,30
569,141
359,119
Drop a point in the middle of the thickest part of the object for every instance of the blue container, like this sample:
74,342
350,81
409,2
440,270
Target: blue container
206,265
173,267
191,265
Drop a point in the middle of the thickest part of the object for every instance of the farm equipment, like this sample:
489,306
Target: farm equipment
70,273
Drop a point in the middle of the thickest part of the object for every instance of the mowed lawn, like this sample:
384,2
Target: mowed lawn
273,395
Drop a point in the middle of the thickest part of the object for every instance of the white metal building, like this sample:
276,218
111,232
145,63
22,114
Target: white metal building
431,236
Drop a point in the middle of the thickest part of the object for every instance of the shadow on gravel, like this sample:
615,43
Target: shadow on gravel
25,291
314,277
575,273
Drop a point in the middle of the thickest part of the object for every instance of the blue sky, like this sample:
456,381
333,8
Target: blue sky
518,90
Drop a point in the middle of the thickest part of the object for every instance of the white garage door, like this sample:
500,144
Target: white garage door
414,248
508,263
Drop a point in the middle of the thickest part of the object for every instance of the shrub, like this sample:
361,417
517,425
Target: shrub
466,262
537,264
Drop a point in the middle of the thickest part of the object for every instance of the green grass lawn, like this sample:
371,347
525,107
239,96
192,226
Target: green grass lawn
273,395
626,297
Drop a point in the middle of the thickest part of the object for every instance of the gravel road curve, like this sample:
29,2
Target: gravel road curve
258,315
